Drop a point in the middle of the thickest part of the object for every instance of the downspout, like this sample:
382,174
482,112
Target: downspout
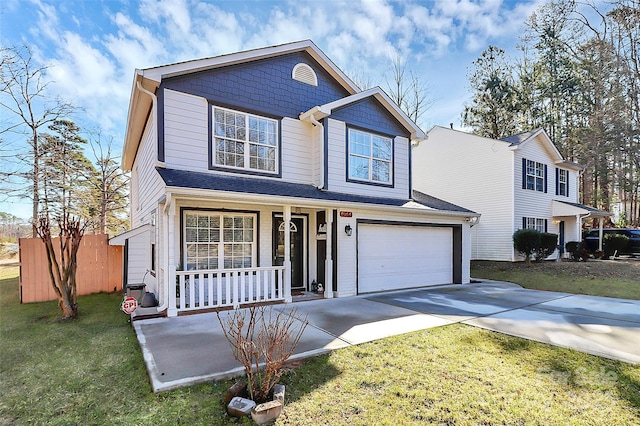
316,123
165,254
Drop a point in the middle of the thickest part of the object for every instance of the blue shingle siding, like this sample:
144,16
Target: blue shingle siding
369,114
262,86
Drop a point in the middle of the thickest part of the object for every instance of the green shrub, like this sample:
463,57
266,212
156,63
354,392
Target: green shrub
534,244
525,242
577,250
548,244
613,243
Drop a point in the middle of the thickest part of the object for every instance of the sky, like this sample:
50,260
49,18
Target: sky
92,47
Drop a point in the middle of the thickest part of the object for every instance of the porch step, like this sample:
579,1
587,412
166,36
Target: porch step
147,313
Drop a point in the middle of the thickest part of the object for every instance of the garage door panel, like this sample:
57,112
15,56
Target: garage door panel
396,256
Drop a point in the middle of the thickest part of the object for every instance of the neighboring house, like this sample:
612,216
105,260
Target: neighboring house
518,182
227,153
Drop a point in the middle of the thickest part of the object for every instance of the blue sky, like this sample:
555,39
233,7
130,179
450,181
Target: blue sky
93,47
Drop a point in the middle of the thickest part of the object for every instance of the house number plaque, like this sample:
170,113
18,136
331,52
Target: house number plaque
346,214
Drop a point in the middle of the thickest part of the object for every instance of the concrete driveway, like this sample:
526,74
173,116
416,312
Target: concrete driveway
191,349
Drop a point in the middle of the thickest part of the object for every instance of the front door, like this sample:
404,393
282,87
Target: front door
297,228
561,236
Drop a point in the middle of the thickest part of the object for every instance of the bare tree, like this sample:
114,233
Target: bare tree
23,94
109,184
262,341
407,90
63,264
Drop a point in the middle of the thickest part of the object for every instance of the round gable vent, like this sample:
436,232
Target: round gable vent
304,74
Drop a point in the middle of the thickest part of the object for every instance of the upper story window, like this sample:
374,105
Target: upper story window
369,157
244,141
563,182
534,176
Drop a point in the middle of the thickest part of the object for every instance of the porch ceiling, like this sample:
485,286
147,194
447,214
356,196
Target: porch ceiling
563,208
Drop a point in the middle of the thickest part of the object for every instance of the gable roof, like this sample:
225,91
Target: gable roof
188,180
319,112
146,82
540,134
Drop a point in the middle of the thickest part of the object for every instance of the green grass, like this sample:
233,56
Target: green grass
90,371
610,278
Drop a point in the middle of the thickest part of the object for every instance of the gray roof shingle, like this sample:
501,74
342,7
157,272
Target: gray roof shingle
252,185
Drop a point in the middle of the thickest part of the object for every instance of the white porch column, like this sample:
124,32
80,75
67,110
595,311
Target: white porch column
172,310
328,264
287,253
600,234
578,227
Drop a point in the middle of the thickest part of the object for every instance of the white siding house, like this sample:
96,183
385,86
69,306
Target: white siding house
520,181
252,181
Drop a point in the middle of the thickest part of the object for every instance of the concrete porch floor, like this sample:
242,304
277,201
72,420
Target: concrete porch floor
192,349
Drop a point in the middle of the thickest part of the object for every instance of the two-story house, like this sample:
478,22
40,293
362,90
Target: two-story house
263,173
521,181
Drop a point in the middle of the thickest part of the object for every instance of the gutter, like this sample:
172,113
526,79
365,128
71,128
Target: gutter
196,193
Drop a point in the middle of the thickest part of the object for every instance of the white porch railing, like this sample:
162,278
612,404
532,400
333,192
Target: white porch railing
206,289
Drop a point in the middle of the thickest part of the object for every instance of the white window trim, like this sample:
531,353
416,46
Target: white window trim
535,223
563,181
370,158
221,214
247,143
536,167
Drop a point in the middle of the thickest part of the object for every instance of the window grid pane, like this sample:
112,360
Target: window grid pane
369,157
535,176
203,236
245,141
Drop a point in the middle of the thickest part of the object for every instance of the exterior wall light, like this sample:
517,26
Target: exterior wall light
348,230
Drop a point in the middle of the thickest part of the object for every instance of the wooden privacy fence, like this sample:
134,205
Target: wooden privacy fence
99,268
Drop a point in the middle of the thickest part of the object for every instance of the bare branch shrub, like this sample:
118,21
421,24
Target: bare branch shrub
262,340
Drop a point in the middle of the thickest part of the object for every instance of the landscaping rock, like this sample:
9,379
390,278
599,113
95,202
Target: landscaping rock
266,412
240,407
238,389
278,393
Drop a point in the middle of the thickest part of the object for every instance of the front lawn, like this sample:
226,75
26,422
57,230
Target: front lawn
90,371
610,278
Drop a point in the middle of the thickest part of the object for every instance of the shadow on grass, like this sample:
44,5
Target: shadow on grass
571,368
317,371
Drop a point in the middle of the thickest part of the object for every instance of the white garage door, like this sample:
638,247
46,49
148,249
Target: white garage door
392,257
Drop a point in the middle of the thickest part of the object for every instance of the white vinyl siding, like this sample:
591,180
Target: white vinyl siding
299,159
475,173
146,185
337,166
186,137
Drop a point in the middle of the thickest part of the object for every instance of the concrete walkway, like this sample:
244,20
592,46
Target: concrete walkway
191,349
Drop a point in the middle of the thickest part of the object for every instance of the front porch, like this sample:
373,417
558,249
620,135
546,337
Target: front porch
223,255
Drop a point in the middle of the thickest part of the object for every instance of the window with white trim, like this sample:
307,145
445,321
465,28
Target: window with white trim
535,223
535,176
370,157
563,179
216,240
244,141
